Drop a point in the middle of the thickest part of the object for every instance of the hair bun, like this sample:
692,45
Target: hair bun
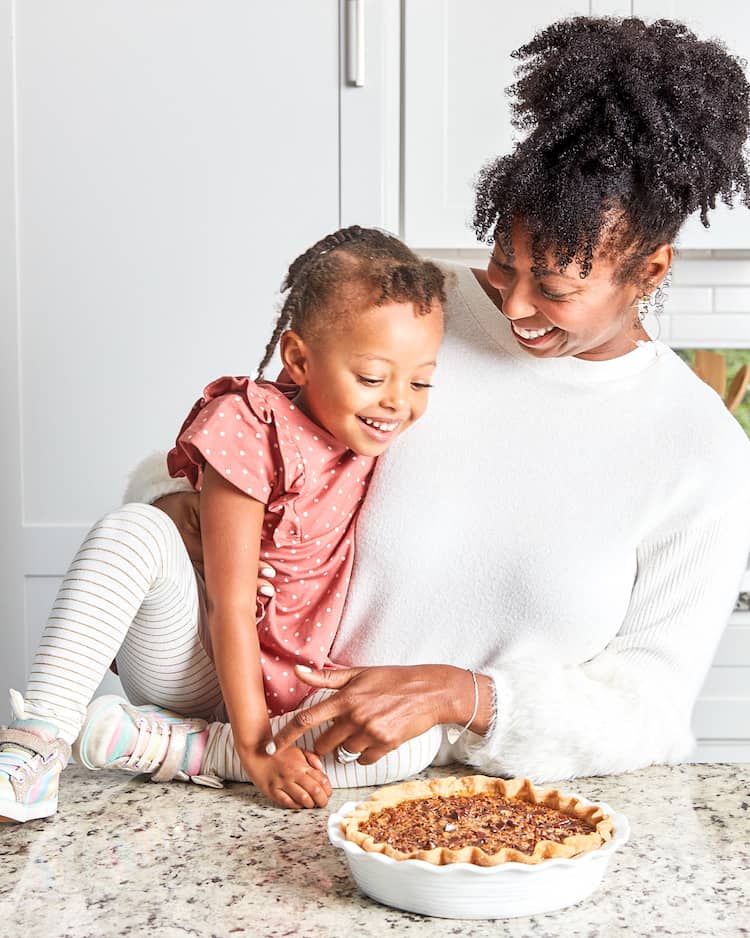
613,94
645,118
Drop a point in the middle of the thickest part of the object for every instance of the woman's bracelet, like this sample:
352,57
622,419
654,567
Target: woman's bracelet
452,733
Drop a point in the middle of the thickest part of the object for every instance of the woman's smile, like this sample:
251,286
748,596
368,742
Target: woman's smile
534,337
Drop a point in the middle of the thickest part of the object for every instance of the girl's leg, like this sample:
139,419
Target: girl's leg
132,573
130,591
148,739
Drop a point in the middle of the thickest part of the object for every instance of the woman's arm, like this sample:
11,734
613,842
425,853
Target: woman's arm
628,707
231,524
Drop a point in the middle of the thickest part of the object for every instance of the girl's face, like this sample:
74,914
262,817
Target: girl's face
367,379
554,315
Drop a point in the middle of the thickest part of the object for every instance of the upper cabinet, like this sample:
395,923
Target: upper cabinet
171,159
456,68
457,65
726,21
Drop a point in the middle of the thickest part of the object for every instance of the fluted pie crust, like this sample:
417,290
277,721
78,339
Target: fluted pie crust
427,820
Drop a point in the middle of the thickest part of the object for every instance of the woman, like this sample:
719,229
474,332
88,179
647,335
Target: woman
572,519
551,556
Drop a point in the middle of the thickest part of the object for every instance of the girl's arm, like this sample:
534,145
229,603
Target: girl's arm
231,524
185,511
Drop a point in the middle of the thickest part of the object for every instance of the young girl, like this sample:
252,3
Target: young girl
282,469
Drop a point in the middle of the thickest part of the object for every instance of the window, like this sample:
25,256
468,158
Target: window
734,359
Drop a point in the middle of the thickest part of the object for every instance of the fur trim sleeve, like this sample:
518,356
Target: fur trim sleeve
630,705
150,480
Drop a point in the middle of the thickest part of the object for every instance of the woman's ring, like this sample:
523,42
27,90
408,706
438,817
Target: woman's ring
345,757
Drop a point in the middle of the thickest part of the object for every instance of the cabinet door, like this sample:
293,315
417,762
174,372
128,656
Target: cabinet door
457,65
724,20
721,718
161,163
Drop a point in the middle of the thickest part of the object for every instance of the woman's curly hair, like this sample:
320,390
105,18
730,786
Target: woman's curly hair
346,271
631,128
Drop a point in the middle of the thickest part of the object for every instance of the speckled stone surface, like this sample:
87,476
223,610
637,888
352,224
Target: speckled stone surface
125,856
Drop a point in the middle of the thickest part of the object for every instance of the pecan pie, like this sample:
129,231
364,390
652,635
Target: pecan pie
476,819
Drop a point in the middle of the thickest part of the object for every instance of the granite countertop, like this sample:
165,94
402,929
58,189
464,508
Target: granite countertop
126,856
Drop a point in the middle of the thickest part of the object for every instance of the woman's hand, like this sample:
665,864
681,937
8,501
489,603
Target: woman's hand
376,709
293,778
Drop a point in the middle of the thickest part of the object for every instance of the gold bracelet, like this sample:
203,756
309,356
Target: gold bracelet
452,733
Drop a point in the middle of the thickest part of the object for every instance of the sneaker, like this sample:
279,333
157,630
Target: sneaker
144,739
32,756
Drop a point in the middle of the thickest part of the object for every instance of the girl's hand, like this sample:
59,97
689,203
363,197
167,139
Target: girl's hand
293,778
376,709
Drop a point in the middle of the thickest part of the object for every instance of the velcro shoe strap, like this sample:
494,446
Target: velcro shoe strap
172,762
35,743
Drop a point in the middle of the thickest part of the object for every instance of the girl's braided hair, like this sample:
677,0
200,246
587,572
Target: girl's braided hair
631,129
349,270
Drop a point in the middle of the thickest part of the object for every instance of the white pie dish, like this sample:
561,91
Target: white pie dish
465,890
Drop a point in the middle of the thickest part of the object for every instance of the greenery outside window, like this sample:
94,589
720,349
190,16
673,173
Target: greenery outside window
735,359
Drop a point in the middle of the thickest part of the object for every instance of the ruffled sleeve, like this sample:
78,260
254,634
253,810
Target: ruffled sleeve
232,428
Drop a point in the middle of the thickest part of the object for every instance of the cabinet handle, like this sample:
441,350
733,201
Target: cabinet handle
355,43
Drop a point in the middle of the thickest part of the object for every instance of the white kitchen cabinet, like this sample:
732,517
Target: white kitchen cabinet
726,20
161,163
457,65
721,718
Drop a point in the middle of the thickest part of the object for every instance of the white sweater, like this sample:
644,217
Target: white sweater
576,530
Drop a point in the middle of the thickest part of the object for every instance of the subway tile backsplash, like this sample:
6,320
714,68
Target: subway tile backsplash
691,299
732,299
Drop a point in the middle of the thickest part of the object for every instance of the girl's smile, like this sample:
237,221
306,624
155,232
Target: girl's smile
367,379
380,430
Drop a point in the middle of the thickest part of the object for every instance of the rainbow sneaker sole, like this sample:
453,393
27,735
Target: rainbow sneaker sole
144,739
30,767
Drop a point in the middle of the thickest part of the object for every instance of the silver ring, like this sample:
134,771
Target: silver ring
345,757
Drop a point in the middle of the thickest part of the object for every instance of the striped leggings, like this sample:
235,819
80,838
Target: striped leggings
131,592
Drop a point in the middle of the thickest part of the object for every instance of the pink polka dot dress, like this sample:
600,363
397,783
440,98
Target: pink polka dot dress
312,487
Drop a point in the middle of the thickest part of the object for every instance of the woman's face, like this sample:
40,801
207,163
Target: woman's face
555,314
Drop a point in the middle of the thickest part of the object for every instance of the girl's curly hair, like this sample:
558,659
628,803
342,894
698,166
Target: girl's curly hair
631,128
348,270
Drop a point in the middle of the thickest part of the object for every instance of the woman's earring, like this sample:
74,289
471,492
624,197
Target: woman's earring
653,303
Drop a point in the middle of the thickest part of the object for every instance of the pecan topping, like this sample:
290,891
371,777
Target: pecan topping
488,821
